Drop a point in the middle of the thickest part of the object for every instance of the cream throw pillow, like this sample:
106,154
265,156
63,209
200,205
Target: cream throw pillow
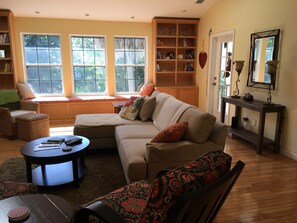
25,91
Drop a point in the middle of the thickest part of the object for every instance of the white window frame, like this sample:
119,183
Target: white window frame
72,65
22,34
145,65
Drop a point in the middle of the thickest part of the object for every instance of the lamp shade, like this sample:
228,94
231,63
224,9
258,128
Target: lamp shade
239,65
272,67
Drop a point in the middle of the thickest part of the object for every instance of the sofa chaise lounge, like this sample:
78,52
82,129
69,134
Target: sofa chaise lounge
140,157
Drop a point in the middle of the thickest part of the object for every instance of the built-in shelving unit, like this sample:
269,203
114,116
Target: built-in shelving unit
175,57
7,75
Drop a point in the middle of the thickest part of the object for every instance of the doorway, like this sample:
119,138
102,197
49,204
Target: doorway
220,71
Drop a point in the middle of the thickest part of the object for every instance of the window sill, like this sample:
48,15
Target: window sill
76,99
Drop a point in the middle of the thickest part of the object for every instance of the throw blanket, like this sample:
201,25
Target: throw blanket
98,120
179,112
8,96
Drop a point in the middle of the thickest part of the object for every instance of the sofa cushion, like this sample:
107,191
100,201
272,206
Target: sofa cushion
200,125
168,188
132,153
147,108
17,113
135,132
131,108
160,99
166,113
172,133
147,89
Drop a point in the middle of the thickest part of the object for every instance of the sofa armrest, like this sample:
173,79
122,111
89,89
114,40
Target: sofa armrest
160,152
166,155
219,133
31,106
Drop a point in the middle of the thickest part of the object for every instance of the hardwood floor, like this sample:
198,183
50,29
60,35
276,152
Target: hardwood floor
265,192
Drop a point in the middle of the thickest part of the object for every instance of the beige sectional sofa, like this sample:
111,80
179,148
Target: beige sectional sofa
142,159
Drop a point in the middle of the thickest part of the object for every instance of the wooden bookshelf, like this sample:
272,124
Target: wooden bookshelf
7,74
175,56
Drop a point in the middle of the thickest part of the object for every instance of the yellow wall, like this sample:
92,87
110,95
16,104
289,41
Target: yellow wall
66,27
246,17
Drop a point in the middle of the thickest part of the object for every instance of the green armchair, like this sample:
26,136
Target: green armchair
10,107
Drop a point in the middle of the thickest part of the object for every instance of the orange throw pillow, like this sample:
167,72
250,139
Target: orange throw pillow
172,133
147,89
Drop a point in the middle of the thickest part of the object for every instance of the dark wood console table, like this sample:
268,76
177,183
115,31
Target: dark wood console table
257,139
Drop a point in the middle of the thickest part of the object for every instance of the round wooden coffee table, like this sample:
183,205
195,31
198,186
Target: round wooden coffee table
55,167
42,208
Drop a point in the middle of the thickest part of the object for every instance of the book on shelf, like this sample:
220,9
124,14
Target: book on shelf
4,38
7,67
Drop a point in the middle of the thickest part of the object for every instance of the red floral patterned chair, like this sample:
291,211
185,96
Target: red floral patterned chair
195,191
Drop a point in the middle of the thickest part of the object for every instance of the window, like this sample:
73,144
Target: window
43,63
130,64
89,66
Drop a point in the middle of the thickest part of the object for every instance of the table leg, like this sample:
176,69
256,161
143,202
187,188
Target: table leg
260,133
223,110
75,173
278,131
28,170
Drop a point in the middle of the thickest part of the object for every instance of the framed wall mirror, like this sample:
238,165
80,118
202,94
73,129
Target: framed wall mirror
264,47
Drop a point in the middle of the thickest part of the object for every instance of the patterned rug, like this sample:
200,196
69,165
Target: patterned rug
104,174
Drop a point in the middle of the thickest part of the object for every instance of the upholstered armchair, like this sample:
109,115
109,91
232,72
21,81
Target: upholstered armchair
192,193
11,107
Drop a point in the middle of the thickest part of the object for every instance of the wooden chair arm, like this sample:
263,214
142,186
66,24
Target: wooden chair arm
5,116
31,106
101,211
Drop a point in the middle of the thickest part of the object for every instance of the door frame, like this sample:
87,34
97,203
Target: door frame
211,69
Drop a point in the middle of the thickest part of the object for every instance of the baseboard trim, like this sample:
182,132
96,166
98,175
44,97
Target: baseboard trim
288,154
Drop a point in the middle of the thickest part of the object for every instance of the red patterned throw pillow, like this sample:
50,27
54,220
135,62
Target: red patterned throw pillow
172,133
147,89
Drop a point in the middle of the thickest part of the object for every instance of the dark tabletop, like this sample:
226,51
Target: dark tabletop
54,155
43,208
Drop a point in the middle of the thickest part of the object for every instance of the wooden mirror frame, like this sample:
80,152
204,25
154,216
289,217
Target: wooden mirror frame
251,82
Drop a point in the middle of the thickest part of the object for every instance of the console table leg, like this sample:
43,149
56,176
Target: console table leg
261,133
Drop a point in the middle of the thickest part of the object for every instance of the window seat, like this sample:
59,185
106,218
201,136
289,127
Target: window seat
79,99
66,108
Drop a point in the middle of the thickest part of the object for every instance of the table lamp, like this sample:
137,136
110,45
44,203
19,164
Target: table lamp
271,70
238,68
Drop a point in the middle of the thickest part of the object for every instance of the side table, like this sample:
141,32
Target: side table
117,105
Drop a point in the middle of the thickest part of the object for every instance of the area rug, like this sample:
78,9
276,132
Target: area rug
104,174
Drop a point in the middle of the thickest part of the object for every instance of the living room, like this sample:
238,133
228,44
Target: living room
242,16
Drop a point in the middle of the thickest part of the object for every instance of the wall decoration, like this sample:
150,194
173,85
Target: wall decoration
202,57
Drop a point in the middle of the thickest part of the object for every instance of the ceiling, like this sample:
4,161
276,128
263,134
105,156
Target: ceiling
108,10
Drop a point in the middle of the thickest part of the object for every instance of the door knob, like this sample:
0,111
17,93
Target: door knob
214,83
